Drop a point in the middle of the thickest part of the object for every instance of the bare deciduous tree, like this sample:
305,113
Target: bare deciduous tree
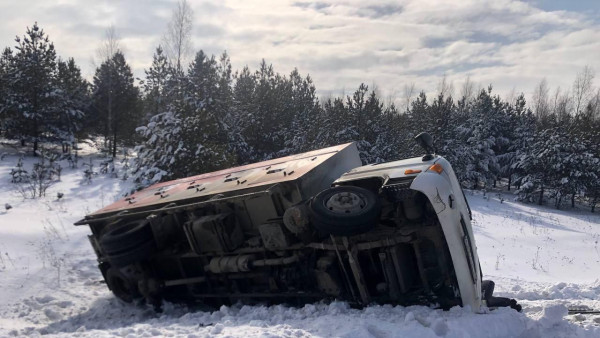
391,98
375,89
107,49
467,89
541,105
177,40
511,96
445,87
409,92
562,103
594,105
583,88
110,45
556,99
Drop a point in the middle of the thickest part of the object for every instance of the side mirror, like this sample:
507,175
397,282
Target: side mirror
425,141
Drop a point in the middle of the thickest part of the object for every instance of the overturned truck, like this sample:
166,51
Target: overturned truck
297,229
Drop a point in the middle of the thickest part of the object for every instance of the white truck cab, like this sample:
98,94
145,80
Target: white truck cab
435,178
421,196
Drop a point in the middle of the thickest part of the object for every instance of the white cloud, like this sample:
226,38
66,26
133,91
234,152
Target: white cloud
341,43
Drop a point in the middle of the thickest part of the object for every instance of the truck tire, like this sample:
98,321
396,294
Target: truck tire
126,236
121,287
345,210
487,289
136,254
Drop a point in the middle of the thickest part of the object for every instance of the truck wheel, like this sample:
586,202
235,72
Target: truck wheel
487,289
345,210
136,254
126,236
122,288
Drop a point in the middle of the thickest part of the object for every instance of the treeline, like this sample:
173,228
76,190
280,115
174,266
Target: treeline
44,98
206,116
209,118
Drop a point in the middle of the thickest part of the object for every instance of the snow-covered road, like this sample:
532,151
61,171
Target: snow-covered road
50,285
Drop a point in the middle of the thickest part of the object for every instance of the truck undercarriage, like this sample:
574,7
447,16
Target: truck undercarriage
205,255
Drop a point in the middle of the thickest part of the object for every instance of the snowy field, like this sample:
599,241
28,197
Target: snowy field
49,283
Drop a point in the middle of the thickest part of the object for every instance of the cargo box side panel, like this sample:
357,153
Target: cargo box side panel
244,179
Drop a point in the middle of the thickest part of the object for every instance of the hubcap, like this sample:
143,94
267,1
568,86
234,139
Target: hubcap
346,203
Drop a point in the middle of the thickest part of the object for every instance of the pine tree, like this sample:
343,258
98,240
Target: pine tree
372,128
34,94
8,114
521,123
391,143
115,100
156,85
480,137
264,125
337,126
73,97
443,123
586,129
161,136
301,135
158,154
242,114
419,120
203,134
231,121
539,165
198,132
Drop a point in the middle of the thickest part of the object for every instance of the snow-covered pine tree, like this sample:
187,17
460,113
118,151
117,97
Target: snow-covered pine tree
241,116
521,136
542,164
8,113
161,144
115,101
304,109
156,85
371,128
418,121
357,118
500,118
480,136
362,110
337,127
72,102
442,119
585,128
231,123
34,93
578,169
264,130
158,154
391,142
203,128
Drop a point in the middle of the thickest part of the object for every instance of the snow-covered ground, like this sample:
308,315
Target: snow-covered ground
50,285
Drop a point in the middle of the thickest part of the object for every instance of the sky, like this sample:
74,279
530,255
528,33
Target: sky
388,45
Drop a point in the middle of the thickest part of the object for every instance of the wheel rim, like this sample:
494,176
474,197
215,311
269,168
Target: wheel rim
346,203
